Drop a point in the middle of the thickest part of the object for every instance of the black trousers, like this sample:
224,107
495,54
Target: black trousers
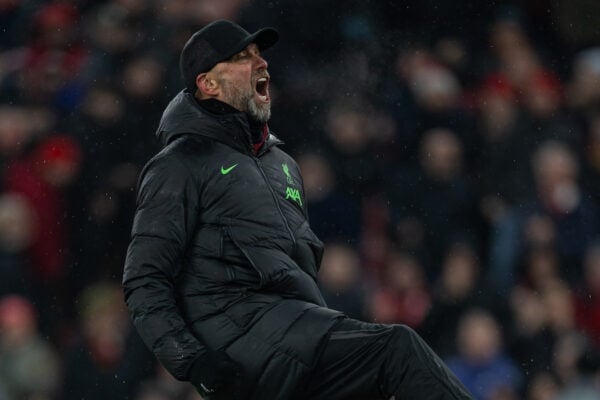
364,361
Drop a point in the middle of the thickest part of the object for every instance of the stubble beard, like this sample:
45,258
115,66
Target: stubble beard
259,112
244,101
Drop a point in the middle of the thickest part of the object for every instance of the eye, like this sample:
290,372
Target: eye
241,55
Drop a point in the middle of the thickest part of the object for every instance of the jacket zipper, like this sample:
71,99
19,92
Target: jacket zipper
285,221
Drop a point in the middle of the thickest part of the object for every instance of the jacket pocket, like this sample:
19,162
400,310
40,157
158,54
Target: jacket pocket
309,250
243,250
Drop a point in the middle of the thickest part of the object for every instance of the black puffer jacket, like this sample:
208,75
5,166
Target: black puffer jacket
221,255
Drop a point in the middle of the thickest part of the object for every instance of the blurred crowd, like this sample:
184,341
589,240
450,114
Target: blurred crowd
451,162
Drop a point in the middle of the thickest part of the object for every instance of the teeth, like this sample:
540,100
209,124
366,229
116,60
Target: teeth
261,80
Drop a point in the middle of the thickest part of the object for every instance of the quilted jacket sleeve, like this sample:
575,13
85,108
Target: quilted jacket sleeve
164,221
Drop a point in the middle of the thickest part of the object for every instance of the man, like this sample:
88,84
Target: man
220,276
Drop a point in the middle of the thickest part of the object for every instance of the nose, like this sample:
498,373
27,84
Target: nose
261,63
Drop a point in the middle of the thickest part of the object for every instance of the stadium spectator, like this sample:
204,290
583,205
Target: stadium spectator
342,281
458,289
334,214
418,215
108,360
530,338
402,295
588,296
481,362
29,365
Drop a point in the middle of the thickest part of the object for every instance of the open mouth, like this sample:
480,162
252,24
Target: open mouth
262,89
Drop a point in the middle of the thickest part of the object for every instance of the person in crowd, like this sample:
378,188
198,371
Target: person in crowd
334,214
29,365
108,360
458,289
341,280
530,338
402,295
587,301
414,194
481,362
560,213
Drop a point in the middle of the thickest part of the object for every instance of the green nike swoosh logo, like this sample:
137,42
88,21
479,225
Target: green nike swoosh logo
225,171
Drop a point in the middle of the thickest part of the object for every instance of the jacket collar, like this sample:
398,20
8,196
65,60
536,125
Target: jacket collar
184,115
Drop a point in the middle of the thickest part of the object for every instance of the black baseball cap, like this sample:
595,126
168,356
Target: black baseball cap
217,42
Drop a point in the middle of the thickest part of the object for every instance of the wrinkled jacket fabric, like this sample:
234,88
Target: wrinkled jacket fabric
222,256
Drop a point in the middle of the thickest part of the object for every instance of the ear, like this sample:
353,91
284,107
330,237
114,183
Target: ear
207,85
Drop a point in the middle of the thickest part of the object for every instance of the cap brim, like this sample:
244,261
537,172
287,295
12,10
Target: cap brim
264,39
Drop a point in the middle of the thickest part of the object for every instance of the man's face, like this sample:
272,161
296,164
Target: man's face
244,83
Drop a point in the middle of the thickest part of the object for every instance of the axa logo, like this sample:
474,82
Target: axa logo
294,195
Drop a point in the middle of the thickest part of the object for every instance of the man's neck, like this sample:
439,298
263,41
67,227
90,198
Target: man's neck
219,107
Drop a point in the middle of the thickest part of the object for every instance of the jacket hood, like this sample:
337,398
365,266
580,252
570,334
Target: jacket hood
184,116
